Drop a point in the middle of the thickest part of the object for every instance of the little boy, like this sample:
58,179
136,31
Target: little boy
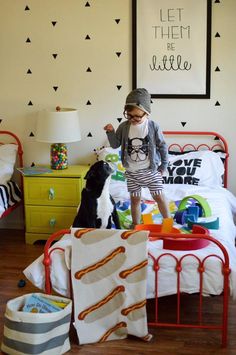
144,152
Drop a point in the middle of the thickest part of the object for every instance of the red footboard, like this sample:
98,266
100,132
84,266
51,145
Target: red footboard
178,268
201,269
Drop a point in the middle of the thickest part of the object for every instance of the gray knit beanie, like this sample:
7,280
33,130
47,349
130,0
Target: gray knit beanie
139,98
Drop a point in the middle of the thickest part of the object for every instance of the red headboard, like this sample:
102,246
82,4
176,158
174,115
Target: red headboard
198,140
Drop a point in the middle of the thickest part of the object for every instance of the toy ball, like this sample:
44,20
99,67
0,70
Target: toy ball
21,283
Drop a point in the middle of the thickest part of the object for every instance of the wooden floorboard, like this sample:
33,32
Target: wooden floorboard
15,255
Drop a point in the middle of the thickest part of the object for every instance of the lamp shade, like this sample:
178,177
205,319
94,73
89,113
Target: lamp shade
60,126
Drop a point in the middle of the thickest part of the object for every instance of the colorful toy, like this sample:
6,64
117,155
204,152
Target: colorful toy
167,225
189,214
147,218
188,243
206,209
155,230
214,224
177,243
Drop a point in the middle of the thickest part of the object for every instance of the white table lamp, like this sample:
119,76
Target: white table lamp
58,127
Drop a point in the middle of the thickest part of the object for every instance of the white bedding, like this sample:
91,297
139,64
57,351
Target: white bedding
223,205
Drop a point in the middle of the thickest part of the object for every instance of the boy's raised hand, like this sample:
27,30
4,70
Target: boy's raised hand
109,127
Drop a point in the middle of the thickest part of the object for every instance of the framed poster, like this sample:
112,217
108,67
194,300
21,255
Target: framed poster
172,47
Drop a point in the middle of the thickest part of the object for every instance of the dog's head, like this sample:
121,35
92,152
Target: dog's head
99,172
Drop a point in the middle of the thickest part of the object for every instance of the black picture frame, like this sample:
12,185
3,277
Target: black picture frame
176,29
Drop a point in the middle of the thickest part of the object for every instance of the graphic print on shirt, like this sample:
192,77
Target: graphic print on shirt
138,149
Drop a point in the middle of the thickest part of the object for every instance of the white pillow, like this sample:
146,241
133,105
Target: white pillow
7,161
203,168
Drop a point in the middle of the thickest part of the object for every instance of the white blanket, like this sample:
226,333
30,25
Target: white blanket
109,274
223,205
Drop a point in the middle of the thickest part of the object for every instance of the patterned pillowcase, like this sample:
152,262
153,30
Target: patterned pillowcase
113,157
202,168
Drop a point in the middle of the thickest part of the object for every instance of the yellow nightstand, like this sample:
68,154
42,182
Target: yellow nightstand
51,201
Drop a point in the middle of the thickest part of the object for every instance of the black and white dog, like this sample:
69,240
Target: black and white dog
97,208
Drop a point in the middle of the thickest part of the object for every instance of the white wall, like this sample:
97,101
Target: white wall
76,86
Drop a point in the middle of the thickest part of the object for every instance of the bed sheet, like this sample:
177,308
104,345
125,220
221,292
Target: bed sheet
223,205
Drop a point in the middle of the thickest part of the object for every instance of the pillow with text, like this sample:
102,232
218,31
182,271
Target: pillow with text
202,168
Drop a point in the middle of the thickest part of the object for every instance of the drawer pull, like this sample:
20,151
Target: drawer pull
52,222
51,194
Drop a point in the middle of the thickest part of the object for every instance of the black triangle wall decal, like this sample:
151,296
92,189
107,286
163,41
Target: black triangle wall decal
88,103
217,69
217,1
87,37
87,4
30,103
28,40
119,87
119,119
117,20
29,71
217,103
183,123
89,135
55,88
54,23
88,70
0,120
31,134
118,54
54,55
32,165
27,8
217,34
216,139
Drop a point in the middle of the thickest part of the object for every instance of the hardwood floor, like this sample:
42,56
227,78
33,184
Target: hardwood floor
15,255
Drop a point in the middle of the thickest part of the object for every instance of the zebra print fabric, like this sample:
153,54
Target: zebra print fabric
9,195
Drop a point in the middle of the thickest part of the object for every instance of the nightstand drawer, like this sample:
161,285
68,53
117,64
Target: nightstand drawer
52,191
48,220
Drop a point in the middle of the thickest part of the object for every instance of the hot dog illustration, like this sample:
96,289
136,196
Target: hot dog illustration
118,331
135,273
87,236
103,267
105,306
134,237
135,311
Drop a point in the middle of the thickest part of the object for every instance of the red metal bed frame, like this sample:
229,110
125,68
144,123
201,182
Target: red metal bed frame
16,141
221,326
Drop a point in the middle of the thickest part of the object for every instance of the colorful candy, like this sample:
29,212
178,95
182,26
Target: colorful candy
59,159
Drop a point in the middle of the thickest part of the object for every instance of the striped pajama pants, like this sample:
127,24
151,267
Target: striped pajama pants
144,178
